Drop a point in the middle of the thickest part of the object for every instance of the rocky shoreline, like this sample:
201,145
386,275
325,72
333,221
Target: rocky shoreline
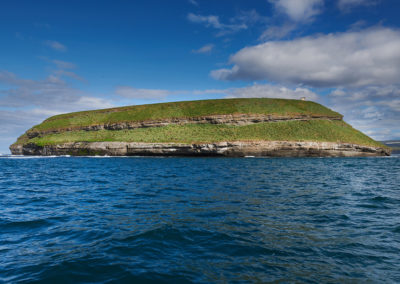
224,149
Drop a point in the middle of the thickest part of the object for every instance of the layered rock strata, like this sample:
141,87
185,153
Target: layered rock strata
227,149
230,119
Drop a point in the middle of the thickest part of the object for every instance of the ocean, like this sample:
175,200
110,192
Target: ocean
199,220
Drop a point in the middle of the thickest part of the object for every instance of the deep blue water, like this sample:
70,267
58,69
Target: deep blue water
199,220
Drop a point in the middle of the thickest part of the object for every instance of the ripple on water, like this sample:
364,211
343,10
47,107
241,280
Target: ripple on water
178,220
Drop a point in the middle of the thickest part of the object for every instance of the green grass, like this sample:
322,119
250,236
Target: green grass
184,109
313,130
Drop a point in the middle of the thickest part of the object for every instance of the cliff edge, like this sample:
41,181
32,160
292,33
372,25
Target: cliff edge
226,127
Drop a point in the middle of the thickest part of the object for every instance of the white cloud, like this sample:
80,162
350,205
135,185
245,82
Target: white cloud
271,91
69,74
194,2
134,93
346,5
375,110
387,96
60,64
209,21
204,49
243,20
277,32
250,17
214,22
299,10
25,102
253,91
291,15
56,45
15,123
64,64
50,93
356,58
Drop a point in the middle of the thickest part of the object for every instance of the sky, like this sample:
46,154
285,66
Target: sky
65,56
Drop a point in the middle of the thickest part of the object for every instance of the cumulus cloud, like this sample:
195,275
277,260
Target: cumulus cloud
372,96
271,91
204,49
375,110
253,91
296,13
56,45
299,10
134,93
356,58
214,22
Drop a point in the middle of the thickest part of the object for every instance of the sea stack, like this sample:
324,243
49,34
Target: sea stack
225,127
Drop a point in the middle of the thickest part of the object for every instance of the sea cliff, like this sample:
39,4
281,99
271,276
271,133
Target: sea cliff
228,149
230,127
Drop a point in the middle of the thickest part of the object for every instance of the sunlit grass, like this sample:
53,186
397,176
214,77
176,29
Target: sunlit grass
185,109
313,130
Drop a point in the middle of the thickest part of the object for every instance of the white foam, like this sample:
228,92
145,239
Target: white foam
29,157
98,157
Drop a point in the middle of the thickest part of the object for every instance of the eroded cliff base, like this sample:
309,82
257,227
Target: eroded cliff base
227,149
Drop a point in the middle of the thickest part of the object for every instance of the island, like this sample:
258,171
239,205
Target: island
221,127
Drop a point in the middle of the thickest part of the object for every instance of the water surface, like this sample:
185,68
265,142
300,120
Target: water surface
178,220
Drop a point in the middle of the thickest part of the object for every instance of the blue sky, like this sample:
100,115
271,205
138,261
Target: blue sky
62,56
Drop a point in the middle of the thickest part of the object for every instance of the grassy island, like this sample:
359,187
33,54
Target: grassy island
205,121
186,109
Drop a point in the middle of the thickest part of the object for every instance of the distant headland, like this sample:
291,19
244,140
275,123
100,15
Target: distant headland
224,127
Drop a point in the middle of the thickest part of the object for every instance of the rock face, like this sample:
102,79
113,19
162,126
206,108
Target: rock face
230,119
227,149
239,142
